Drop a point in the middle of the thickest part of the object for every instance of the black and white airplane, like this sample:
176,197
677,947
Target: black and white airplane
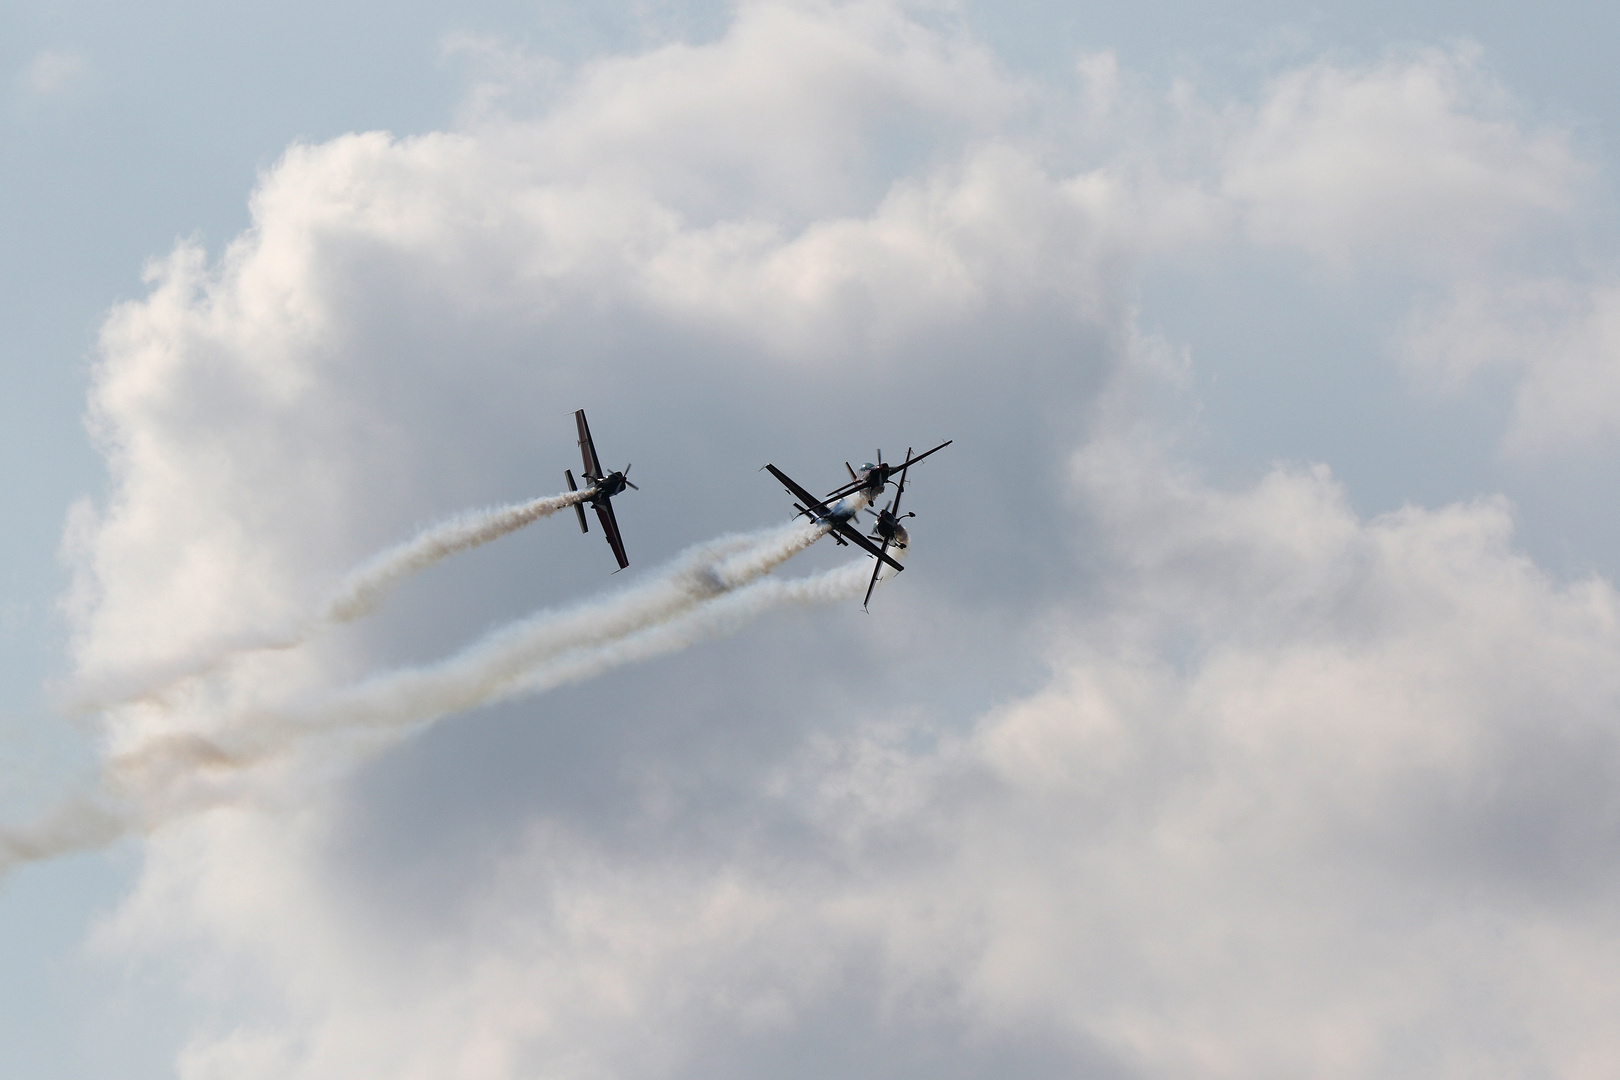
602,489
874,478
841,506
888,527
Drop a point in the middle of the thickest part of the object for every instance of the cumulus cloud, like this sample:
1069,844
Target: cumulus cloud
1142,777
1559,340
299,379
1422,164
1313,759
54,74
1419,156
1362,805
798,110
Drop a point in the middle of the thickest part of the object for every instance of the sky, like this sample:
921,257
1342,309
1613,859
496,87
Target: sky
1251,706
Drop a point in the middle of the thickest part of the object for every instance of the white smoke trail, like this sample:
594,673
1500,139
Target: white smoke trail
479,673
711,591
371,582
357,595
719,618
587,656
79,824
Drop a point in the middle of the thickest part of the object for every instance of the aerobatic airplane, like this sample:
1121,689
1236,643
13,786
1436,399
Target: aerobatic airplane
602,489
842,505
888,527
874,478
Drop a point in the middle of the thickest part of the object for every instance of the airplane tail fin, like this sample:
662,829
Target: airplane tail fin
578,509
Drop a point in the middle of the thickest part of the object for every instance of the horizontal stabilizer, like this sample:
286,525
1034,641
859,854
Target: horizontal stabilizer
578,509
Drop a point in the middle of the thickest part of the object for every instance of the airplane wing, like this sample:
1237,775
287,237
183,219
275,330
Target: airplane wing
913,460
610,525
811,503
853,485
900,492
877,568
839,493
857,539
587,448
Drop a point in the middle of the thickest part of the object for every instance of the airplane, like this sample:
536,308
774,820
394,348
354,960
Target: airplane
888,528
851,499
602,489
874,478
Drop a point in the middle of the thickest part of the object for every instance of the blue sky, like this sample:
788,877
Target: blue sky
1271,570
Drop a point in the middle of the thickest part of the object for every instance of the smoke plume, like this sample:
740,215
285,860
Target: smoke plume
356,596
486,670
710,591
370,583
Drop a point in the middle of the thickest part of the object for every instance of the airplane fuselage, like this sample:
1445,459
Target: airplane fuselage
888,528
873,479
607,486
844,510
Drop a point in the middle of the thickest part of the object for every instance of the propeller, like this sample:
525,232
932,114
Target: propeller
627,482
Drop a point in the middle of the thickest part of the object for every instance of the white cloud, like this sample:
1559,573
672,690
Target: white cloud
1302,794
1422,164
1360,827
55,74
242,404
1558,339
1421,157
802,109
